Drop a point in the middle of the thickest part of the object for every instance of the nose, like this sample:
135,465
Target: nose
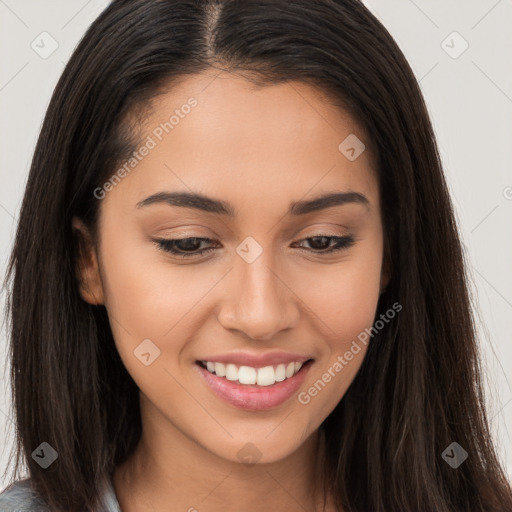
259,303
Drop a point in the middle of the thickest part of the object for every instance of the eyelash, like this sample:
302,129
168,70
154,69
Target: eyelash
168,245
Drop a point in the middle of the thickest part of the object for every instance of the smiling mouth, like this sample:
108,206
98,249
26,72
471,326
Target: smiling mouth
255,377
239,388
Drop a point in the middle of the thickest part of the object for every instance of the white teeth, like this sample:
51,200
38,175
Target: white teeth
247,375
231,372
265,376
220,369
280,372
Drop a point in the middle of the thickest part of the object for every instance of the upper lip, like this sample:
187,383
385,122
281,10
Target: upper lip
256,360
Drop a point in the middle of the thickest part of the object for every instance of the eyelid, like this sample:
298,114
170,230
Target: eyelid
342,243
184,231
322,228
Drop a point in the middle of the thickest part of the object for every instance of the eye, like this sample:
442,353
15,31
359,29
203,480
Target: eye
320,241
190,247
183,247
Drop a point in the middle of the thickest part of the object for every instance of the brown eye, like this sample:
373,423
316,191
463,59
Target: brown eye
183,247
190,247
321,244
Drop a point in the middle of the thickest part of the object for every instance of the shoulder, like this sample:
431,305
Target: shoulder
19,497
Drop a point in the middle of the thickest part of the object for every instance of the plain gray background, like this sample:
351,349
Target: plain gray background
469,95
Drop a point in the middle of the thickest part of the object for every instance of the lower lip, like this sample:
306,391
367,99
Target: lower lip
252,397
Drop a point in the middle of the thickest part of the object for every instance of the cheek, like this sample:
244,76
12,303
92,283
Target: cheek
143,291
345,296
147,300
344,302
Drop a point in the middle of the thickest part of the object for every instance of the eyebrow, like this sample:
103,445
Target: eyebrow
216,206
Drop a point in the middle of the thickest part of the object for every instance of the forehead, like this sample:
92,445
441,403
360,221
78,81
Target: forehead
220,134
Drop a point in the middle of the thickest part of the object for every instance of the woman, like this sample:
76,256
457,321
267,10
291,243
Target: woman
237,282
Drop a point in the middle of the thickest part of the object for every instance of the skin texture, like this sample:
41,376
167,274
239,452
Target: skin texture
258,149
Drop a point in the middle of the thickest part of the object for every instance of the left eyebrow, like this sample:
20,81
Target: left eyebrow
327,201
211,205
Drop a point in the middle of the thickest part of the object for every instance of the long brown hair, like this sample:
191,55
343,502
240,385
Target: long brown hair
419,388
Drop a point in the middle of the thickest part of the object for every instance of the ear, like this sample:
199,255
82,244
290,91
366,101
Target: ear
86,264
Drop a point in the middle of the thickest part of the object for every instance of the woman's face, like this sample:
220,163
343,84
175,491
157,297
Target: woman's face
266,287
